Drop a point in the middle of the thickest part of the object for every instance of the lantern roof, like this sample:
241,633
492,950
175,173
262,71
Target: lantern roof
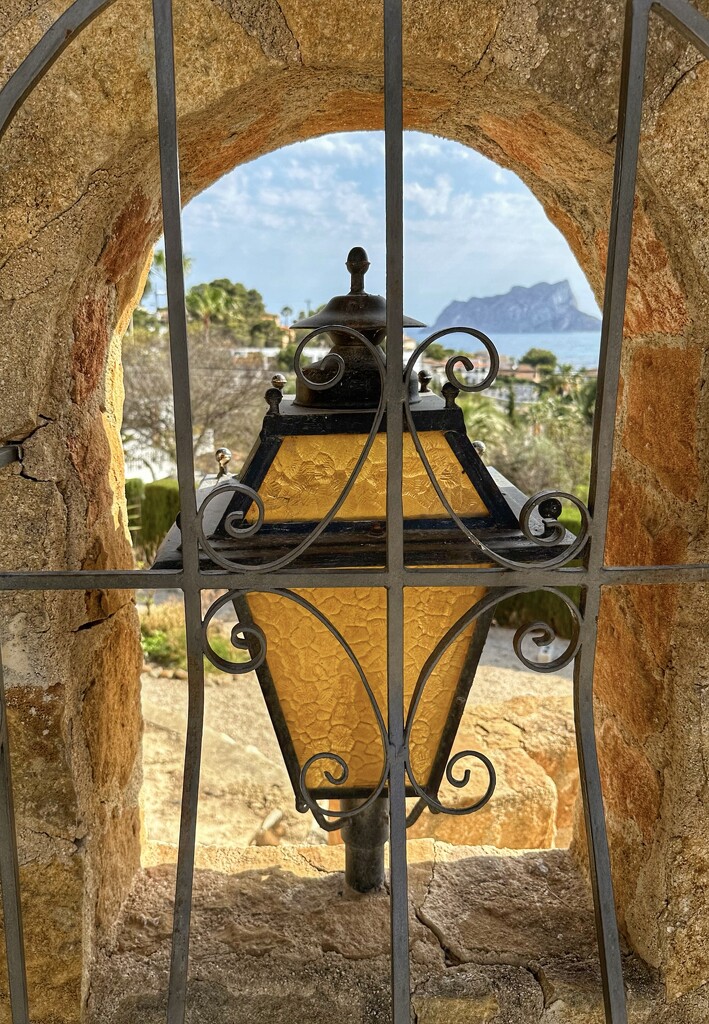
290,468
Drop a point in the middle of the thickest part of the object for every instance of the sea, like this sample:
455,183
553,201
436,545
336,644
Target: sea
579,348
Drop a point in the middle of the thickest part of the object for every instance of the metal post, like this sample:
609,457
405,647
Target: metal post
365,835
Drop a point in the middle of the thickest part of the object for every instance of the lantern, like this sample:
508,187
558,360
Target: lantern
312,494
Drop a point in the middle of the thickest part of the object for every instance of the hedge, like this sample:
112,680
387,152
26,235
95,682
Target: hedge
160,506
135,489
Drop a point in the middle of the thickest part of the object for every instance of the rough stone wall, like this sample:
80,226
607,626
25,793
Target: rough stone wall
534,87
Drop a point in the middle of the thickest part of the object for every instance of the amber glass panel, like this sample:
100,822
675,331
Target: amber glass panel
323,700
309,473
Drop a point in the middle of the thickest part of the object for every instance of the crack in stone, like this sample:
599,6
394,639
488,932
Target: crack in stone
680,79
450,958
23,472
100,622
96,179
265,22
296,44
539,976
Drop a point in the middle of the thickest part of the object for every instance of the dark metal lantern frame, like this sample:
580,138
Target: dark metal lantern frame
223,510
507,575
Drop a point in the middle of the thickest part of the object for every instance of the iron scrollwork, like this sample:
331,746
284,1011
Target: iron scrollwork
546,505
239,532
249,636
540,633
244,637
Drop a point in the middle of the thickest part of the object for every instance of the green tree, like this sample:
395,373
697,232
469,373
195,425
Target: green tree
438,352
208,304
547,446
586,399
284,359
563,381
540,358
239,313
486,421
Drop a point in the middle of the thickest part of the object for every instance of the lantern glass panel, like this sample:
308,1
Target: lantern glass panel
309,471
324,703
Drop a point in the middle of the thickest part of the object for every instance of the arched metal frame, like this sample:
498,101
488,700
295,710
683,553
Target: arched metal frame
591,576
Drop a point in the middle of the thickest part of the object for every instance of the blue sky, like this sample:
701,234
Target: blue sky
283,224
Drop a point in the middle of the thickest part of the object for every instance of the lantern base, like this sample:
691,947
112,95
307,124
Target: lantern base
364,836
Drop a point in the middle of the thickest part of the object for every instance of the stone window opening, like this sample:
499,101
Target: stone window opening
537,789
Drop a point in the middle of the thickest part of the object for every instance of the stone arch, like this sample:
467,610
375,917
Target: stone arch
533,87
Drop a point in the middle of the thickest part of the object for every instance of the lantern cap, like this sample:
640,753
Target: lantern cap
358,309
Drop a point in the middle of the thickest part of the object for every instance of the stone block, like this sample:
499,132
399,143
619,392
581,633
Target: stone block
663,390
531,743
52,906
509,939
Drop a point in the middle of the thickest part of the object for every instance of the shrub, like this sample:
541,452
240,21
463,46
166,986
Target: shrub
162,636
538,606
135,489
161,503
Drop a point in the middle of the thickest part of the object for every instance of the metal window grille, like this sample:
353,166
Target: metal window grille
591,576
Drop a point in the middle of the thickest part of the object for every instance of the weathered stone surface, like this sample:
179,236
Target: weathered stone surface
532,86
521,813
662,393
531,743
549,738
52,893
497,938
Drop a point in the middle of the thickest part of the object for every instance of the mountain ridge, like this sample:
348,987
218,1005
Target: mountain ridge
539,308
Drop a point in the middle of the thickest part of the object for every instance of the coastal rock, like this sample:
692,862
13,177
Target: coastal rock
540,308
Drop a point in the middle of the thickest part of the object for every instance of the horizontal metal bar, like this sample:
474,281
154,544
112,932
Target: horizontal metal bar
89,579
535,576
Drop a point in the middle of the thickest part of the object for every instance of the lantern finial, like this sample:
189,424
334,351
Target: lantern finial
358,265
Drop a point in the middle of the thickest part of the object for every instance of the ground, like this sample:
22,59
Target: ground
244,782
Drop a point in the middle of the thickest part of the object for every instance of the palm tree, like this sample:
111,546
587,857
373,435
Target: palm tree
207,303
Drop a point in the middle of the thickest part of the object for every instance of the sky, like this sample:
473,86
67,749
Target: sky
283,224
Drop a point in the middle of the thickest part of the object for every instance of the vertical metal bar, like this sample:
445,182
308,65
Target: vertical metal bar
393,126
10,877
619,243
171,204
594,816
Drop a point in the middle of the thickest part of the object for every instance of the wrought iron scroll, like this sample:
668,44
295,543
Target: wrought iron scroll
540,632
243,532
546,504
247,636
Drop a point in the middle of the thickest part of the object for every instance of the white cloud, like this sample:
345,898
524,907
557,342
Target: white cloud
432,200
355,147
471,227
